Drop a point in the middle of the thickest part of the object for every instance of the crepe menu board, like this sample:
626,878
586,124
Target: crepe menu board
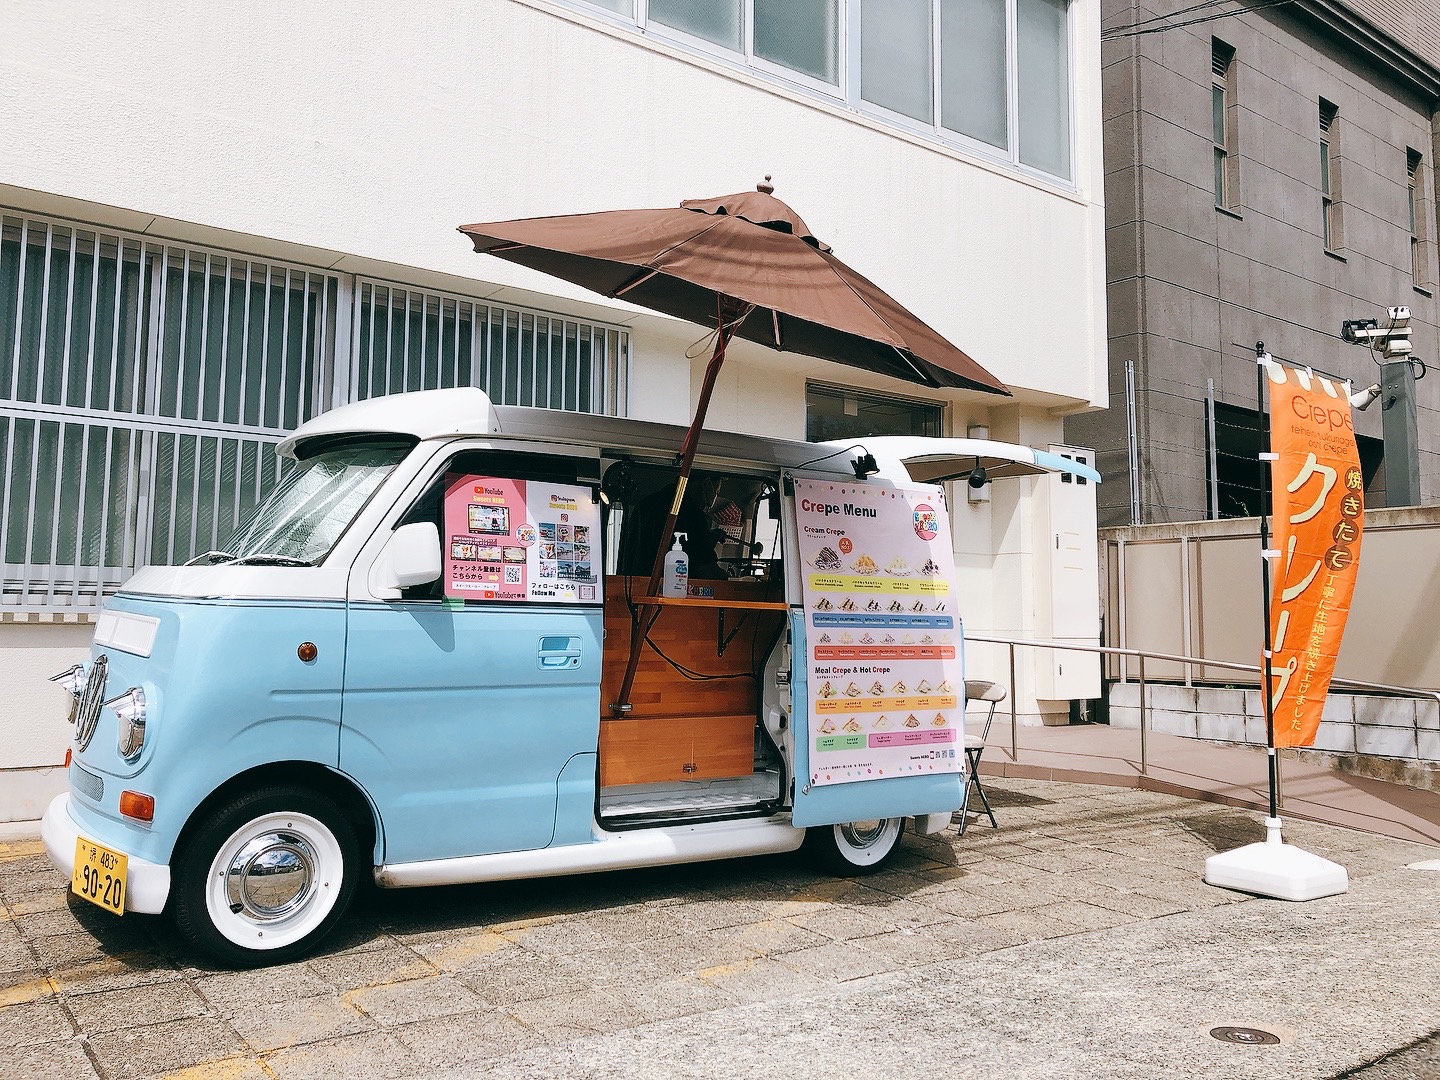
882,638
521,540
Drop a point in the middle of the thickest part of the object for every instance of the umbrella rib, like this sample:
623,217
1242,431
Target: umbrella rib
925,377
651,270
634,283
713,223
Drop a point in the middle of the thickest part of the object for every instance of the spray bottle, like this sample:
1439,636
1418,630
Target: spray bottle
677,570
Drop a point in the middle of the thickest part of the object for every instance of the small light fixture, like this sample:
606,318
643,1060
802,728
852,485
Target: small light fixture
73,683
618,484
137,805
1363,399
865,465
307,652
977,484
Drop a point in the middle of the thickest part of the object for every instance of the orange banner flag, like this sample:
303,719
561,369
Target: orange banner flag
1318,503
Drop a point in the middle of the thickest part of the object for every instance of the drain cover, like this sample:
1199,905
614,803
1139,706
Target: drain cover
1245,1036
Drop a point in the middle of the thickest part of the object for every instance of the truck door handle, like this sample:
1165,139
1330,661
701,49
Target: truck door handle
558,652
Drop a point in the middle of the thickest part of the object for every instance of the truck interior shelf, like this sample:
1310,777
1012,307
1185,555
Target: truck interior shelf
708,602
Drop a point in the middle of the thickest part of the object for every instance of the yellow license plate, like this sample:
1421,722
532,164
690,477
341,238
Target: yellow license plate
100,875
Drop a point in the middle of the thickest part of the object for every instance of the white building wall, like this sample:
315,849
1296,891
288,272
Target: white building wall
374,131
357,138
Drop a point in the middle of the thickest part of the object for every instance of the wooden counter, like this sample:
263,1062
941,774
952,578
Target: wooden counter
682,728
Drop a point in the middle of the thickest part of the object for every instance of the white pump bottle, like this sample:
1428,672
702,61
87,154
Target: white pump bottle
676,581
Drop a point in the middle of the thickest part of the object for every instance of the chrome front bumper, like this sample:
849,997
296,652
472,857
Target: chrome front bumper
147,884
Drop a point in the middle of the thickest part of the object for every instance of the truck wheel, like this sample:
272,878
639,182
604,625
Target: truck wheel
266,877
856,847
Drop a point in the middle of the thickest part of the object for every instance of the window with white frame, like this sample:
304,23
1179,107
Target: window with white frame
973,94
144,384
802,36
411,339
988,75
1043,75
142,387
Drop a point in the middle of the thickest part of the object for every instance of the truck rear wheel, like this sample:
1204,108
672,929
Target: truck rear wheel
855,847
266,877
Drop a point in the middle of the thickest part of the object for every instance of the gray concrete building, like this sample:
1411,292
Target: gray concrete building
1269,174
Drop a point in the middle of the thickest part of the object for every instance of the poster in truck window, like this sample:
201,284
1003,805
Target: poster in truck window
883,642
521,540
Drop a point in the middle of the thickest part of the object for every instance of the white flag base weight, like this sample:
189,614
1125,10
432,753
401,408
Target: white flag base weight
1275,868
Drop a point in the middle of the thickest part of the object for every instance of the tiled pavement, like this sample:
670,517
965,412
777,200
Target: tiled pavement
1214,772
609,974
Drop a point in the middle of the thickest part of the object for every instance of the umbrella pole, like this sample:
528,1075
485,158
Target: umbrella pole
650,612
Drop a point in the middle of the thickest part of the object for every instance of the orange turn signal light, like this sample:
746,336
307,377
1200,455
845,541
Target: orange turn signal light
134,804
69,750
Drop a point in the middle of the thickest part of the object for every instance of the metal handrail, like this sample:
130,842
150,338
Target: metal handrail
1142,655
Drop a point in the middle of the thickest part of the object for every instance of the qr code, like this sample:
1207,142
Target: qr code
512,575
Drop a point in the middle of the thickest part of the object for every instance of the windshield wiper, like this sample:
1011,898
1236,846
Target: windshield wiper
210,558
268,558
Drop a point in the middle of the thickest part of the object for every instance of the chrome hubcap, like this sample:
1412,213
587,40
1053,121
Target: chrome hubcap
863,834
271,876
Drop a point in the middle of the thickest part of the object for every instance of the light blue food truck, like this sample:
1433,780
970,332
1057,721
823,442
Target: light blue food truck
418,662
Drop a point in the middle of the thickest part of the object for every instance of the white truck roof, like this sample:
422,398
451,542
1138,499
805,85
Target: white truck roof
468,410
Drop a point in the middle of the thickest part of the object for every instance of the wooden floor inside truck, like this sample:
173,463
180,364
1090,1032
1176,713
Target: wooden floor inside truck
687,743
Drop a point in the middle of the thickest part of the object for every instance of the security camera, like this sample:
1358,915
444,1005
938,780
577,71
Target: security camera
1356,331
1392,342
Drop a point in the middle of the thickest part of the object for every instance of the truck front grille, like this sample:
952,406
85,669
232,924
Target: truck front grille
87,712
87,783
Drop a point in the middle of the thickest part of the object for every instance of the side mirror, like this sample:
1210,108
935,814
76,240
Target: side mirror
412,557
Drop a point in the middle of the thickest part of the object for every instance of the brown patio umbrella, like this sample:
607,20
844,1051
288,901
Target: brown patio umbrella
751,266
749,248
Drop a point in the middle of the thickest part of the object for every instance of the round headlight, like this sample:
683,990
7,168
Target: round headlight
130,734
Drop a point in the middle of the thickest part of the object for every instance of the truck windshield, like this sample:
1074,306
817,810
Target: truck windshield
311,506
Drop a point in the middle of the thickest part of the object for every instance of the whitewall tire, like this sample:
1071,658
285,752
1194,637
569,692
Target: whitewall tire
855,847
266,878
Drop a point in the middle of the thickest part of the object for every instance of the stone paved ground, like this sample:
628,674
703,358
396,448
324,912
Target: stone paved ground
1078,939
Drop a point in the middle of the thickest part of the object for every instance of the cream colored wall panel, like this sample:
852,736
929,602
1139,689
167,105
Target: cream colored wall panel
32,723
1152,606
1390,636
1393,634
374,132
1228,617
